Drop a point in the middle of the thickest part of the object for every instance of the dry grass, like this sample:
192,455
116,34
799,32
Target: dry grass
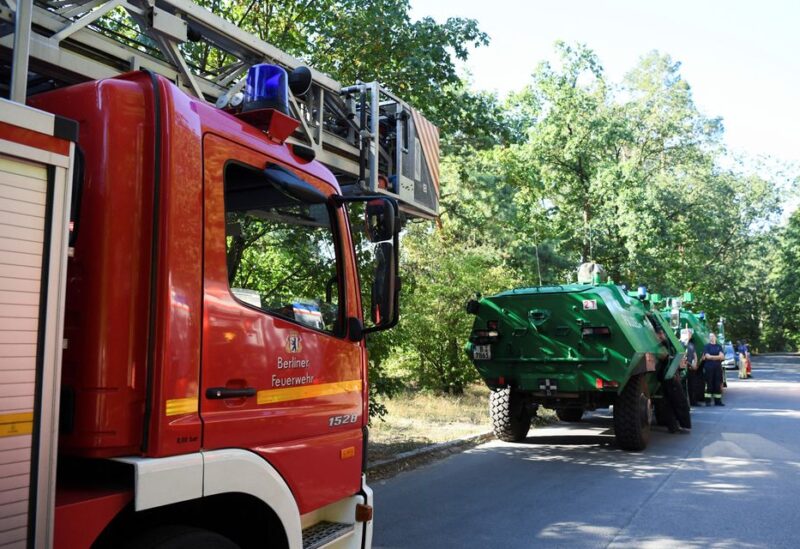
417,419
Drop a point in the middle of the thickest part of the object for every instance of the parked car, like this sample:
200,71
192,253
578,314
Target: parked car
731,361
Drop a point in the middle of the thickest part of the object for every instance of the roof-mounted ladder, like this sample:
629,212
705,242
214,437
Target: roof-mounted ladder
371,139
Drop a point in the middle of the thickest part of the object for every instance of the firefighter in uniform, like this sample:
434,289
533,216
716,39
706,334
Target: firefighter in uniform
713,355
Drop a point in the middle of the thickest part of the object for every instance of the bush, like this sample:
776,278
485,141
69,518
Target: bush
440,275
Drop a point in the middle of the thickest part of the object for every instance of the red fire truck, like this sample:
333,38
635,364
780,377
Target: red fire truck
182,260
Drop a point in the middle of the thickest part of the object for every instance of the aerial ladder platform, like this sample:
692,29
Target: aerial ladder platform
372,140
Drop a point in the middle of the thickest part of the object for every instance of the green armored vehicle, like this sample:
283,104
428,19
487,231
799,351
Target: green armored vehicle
685,323
681,318
573,348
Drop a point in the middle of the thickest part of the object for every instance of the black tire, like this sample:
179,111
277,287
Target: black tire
180,537
675,396
632,415
663,412
511,419
570,415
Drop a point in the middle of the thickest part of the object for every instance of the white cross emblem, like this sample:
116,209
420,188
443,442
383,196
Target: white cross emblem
548,386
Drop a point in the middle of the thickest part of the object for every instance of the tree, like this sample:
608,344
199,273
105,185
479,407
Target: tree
366,40
439,274
780,317
630,176
574,142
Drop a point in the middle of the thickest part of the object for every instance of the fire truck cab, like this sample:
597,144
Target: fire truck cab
190,260
213,317
214,376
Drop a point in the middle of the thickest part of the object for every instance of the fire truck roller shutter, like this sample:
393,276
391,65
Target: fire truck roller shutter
23,189
35,161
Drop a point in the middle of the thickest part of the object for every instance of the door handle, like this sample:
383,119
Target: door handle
225,392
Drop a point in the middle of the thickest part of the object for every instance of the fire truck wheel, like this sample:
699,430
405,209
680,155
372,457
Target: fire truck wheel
570,415
511,419
632,415
180,537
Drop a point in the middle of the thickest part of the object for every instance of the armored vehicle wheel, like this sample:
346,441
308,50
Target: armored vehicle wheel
570,415
662,412
632,415
511,419
675,396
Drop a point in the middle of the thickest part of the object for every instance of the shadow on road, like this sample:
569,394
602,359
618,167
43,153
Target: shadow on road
571,440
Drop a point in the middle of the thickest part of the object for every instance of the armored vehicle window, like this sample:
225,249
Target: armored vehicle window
281,250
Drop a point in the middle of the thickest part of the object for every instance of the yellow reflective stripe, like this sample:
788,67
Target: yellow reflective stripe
271,396
178,406
16,424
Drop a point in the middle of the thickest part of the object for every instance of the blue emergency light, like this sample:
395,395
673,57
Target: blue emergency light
266,88
702,315
642,291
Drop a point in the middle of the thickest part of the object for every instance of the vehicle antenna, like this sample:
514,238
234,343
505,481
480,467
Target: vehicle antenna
538,263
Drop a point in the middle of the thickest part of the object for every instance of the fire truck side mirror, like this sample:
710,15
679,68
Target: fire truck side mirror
380,220
384,285
374,229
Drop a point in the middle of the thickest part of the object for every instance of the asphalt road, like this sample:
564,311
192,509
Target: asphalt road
733,482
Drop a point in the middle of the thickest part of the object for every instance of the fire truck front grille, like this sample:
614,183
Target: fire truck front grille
324,533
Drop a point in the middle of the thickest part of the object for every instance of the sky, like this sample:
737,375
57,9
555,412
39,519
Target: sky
741,58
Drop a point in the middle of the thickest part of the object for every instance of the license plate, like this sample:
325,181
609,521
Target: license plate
482,352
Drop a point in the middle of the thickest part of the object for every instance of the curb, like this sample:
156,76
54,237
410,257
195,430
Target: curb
432,449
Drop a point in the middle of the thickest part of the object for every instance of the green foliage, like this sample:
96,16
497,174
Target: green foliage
781,317
631,176
440,270
381,384
368,40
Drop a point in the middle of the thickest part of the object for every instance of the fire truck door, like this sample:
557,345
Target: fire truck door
278,375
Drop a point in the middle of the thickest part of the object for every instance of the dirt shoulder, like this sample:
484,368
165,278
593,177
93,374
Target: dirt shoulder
421,427
418,419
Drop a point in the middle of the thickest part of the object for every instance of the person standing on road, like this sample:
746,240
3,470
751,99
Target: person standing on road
742,354
694,380
747,358
713,355
690,364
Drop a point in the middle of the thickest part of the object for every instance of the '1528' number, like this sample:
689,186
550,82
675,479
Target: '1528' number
335,421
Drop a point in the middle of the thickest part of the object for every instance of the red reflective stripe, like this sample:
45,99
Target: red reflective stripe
33,139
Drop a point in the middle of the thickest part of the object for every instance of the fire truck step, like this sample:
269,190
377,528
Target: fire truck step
323,533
